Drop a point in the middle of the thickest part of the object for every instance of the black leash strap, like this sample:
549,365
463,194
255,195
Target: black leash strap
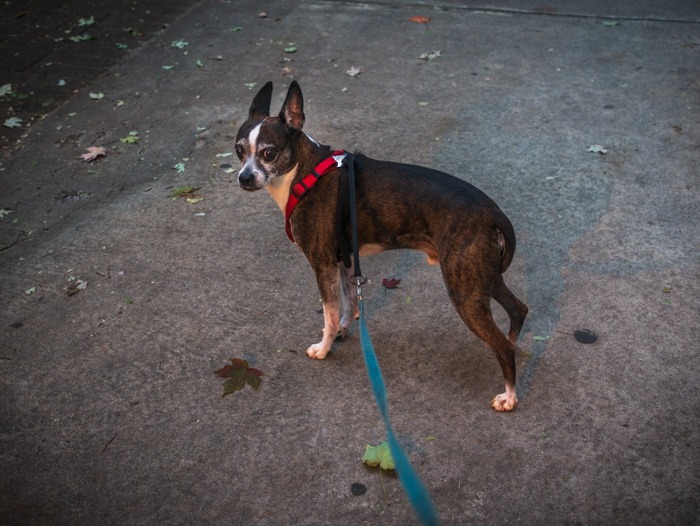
350,160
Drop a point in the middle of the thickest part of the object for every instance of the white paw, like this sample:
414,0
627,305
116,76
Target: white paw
317,351
504,402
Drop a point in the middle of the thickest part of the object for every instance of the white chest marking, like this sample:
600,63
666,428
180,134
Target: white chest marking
280,187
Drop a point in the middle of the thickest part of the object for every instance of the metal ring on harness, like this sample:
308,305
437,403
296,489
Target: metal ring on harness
358,280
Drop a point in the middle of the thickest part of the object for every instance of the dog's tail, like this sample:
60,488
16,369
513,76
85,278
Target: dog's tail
506,243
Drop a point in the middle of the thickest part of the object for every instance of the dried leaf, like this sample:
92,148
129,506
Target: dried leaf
430,55
13,122
353,71
597,148
391,283
418,19
238,374
93,152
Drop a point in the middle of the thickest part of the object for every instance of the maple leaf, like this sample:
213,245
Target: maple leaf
378,455
238,374
93,152
391,283
418,19
353,71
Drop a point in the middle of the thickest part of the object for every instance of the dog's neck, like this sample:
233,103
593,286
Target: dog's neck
308,154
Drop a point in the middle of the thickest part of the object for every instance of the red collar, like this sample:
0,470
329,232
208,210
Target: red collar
299,190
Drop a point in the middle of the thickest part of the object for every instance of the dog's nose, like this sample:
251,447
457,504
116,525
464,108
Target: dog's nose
246,180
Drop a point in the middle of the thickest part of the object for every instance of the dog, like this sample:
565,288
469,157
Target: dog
399,206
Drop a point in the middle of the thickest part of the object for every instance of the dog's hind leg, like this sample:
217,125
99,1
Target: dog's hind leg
476,313
516,309
470,275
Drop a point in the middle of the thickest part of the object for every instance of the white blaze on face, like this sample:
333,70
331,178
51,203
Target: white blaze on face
252,148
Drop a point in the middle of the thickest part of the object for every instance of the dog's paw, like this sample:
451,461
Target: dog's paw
504,402
317,351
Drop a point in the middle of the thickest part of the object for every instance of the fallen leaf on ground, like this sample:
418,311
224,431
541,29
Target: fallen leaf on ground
238,374
182,191
391,283
430,55
418,19
597,148
378,455
4,212
13,122
97,96
540,338
5,89
93,152
131,138
353,71
30,290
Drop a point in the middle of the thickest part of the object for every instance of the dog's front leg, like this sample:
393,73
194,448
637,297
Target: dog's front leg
326,278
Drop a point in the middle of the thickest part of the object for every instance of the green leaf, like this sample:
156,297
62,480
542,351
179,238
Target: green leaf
4,212
97,96
5,89
540,338
180,44
378,455
83,22
131,138
291,48
80,38
179,167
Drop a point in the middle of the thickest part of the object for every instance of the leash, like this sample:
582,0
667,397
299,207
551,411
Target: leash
412,485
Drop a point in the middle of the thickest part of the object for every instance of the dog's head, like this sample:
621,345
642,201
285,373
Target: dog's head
265,145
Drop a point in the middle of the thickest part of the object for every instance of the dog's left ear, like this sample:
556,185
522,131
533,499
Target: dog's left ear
292,113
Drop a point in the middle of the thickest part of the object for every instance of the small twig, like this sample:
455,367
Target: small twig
260,314
108,443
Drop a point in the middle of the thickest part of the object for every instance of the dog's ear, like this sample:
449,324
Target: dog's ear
261,103
292,113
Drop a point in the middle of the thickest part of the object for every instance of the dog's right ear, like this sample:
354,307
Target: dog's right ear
261,103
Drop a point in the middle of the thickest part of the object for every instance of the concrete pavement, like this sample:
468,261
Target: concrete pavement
110,412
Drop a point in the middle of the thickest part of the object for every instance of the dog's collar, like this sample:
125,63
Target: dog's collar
299,190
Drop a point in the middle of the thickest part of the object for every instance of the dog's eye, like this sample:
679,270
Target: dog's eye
269,154
239,151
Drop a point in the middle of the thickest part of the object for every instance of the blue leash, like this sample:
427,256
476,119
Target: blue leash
412,485
415,490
